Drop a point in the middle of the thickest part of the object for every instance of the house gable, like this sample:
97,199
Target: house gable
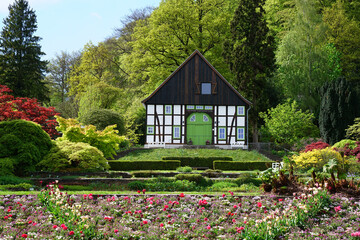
185,86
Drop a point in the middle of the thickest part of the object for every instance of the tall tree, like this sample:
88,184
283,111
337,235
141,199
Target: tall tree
59,71
21,67
172,32
250,54
337,111
303,59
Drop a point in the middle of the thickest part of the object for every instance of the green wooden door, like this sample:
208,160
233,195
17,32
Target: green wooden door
199,128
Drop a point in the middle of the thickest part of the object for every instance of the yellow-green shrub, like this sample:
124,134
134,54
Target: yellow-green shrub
316,158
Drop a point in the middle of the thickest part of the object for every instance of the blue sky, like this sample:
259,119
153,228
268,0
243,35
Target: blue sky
67,25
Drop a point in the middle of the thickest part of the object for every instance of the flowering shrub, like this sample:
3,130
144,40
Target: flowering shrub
345,143
106,141
316,145
27,109
316,158
351,150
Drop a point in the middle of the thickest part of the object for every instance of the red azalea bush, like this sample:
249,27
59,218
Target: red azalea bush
316,145
27,109
351,152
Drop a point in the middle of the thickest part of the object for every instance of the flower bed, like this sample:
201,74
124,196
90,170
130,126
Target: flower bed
55,215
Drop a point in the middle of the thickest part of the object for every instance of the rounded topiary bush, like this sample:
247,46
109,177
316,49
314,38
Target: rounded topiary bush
101,118
68,156
23,144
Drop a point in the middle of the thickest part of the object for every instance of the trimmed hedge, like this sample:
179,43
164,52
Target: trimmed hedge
198,161
117,165
241,166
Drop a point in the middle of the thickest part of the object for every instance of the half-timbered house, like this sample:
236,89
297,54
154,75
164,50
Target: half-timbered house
196,105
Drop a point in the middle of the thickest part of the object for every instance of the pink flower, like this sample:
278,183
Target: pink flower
161,224
71,233
145,222
54,227
29,222
337,209
206,219
223,195
235,206
116,231
234,221
280,200
24,235
185,231
144,190
182,195
138,191
259,204
355,234
208,227
85,196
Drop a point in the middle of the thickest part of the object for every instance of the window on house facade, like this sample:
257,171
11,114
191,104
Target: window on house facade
193,118
177,132
222,133
205,118
150,130
241,110
199,107
205,88
208,107
168,109
190,107
240,134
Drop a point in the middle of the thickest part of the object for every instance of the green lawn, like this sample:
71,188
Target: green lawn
157,154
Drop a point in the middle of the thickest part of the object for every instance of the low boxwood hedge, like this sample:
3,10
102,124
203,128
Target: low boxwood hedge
198,161
241,166
118,165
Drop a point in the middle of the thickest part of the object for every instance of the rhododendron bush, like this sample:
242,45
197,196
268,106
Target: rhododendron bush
55,215
27,109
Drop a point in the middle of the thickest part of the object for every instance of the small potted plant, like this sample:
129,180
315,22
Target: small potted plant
207,142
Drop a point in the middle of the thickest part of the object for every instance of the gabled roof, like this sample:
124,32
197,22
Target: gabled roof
183,85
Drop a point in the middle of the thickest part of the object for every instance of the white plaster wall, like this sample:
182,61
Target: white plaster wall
149,138
177,121
167,139
150,109
222,121
230,121
150,120
157,130
177,109
168,130
222,110
241,121
159,109
176,141
231,110
160,121
168,120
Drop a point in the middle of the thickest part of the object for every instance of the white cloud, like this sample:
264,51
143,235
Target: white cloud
4,4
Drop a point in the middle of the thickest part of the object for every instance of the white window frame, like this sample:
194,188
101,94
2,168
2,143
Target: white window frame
191,107
208,107
199,107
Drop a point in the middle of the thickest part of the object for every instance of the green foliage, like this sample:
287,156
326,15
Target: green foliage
107,141
241,166
303,59
165,184
101,118
344,32
172,32
250,53
222,186
248,179
184,169
316,159
268,175
341,144
98,96
21,67
136,185
198,161
22,145
10,179
197,178
353,132
354,167
287,124
335,166
124,165
16,187
70,156
337,109
143,174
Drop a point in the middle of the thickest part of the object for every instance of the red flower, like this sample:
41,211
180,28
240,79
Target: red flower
54,227
116,231
24,235
161,224
259,204
71,233
208,227
145,222
182,195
